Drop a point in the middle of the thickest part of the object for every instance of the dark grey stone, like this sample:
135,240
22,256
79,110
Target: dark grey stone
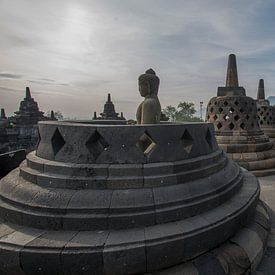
84,253
208,264
124,252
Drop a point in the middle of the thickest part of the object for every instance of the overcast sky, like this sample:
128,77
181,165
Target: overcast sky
73,52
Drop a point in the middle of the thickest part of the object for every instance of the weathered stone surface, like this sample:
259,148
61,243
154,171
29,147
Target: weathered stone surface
111,206
119,260
235,118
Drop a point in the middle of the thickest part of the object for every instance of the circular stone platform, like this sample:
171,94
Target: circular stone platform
105,199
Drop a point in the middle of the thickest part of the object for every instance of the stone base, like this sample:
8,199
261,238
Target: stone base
239,255
258,158
28,250
270,132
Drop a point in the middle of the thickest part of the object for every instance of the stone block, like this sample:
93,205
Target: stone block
156,169
128,170
124,252
127,205
124,183
46,259
254,249
35,162
84,253
157,181
208,264
186,268
232,258
164,246
28,174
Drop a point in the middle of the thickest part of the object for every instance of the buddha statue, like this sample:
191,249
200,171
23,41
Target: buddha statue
149,110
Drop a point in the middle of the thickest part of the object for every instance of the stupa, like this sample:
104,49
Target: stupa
28,113
237,130
95,199
4,122
109,115
265,112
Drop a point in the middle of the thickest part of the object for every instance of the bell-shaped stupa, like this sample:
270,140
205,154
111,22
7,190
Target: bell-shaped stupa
237,130
28,113
109,115
265,112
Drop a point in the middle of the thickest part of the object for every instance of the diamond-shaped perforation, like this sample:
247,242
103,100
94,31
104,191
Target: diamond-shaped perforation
187,141
219,126
96,144
57,141
231,126
146,144
208,138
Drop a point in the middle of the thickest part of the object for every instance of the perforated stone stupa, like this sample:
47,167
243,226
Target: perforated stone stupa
265,112
237,130
97,199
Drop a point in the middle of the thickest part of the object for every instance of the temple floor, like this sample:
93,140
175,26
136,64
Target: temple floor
267,265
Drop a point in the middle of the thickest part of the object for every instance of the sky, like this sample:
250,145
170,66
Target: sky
71,53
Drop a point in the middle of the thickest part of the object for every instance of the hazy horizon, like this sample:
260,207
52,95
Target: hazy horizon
72,53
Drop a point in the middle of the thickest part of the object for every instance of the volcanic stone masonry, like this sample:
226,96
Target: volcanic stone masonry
237,130
92,200
265,112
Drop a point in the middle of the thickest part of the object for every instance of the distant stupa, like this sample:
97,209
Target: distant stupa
28,111
109,114
265,112
237,130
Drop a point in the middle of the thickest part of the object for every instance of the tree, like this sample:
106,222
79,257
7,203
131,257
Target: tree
183,112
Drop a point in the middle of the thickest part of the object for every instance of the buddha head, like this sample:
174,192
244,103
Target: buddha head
148,83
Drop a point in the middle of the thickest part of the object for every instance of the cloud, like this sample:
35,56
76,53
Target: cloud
10,76
6,89
84,49
48,82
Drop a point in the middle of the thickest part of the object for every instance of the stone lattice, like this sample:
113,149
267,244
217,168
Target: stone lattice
265,112
97,199
237,128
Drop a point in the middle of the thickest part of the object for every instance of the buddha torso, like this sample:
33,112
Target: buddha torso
149,110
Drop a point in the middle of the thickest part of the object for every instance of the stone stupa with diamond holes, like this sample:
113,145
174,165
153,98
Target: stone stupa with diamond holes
97,199
237,131
265,112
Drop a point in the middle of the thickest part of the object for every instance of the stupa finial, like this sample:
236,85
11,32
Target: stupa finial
28,93
109,98
261,92
3,115
52,115
232,73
